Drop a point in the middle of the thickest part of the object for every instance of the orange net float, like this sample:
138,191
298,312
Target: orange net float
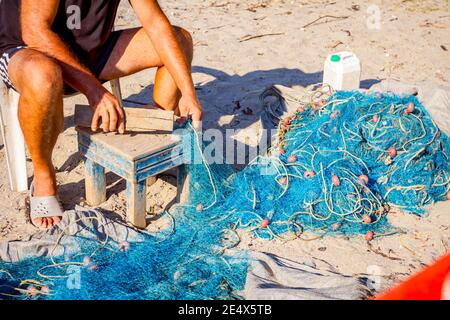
369,236
287,121
334,114
410,108
292,159
335,180
309,174
366,218
392,152
363,179
265,223
33,292
283,180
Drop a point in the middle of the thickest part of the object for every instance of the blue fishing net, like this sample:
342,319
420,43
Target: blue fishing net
186,260
338,165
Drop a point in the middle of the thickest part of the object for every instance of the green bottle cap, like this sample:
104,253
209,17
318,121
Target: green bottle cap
335,58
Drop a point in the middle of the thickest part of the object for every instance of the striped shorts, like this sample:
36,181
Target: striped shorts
4,62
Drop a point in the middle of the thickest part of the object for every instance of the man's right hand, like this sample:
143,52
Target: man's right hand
107,109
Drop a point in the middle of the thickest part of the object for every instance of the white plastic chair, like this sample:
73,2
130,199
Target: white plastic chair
13,141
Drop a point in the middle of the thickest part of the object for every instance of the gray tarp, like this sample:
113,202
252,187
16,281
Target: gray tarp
76,223
274,278
269,277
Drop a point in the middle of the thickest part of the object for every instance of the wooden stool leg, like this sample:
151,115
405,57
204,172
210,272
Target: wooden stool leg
136,203
95,183
183,185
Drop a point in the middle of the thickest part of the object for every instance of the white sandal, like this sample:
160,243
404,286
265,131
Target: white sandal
44,207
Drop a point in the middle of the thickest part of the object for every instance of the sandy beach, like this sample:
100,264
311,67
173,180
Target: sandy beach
243,47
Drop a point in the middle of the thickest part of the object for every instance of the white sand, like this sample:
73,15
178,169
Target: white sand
407,47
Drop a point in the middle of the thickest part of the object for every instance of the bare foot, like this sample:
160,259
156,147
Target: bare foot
45,185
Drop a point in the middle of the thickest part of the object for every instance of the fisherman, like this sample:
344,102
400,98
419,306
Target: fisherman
49,48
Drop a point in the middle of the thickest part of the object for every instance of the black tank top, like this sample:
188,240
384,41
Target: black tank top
86,35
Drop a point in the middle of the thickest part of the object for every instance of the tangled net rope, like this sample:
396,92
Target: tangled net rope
338,165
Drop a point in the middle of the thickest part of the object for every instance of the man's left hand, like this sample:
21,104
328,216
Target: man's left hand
190,106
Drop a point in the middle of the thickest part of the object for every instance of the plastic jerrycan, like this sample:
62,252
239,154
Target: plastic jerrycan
342,71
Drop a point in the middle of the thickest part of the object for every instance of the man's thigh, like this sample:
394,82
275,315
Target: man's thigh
133,52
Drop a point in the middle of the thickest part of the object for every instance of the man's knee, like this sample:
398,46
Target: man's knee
185,38
44,77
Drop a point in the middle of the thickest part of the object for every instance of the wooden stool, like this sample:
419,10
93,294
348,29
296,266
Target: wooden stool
134,157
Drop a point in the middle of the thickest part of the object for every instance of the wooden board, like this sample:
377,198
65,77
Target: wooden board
137,119
132,146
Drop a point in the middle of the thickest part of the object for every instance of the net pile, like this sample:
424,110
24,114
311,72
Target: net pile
338,165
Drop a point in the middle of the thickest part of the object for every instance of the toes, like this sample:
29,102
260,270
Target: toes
56,220
44,223
38,222
49,223
53,221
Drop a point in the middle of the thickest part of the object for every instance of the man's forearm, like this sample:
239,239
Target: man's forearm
163,37
171,54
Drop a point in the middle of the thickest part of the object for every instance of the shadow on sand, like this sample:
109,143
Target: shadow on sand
229,102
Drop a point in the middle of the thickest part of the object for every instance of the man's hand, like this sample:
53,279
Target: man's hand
190,106
107,108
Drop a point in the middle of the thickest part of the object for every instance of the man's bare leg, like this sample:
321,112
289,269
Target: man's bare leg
39,81
135,52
